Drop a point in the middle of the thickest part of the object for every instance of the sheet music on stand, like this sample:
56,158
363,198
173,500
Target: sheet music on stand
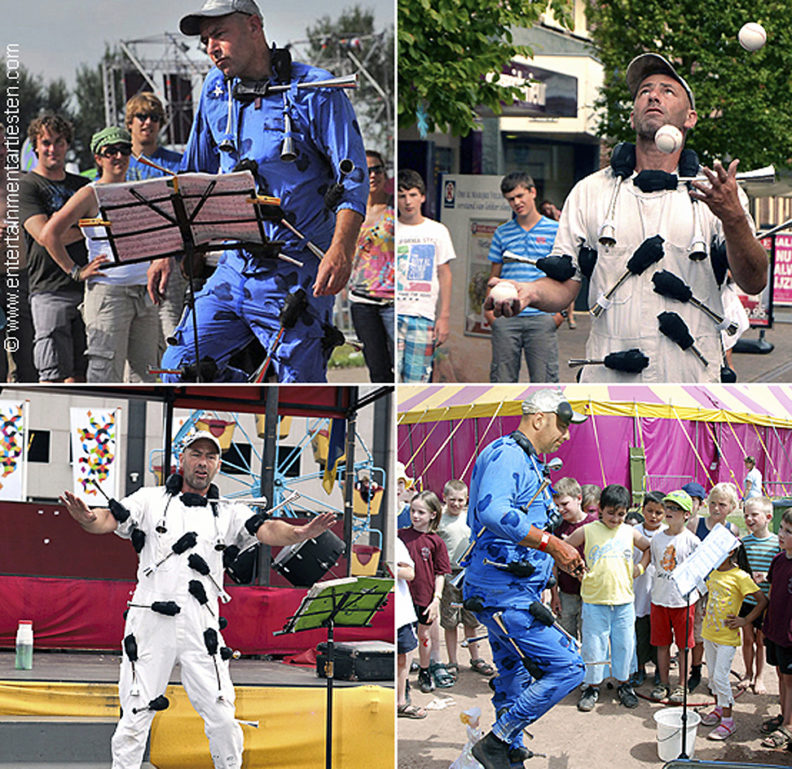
691,573
359,599
150,219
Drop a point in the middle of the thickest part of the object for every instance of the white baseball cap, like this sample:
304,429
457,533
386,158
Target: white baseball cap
653,64
551,402
191,23
201,435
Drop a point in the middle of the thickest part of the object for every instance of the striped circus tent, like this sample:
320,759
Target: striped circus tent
646,437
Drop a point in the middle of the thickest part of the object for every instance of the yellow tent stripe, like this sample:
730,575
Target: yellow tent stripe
506,399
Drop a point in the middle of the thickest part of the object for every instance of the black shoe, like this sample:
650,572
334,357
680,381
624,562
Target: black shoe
518,755
638,677
491,752
695,677
627,696
588,699
425,681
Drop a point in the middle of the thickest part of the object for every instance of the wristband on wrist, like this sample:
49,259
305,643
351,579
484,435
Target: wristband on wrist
641,569
543,543
74,273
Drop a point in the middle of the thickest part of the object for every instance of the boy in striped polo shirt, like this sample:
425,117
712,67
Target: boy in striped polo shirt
761,546
528,235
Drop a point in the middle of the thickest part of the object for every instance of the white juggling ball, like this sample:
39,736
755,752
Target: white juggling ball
503,291
752,36
668,139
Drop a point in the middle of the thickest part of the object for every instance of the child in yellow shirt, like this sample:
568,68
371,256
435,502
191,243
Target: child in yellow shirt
727,587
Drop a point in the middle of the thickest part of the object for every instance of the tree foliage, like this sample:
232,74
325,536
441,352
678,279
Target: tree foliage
89,95
36,96
446,50
351,44
742,98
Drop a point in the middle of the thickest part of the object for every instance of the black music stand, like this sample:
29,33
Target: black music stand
185,214
345,602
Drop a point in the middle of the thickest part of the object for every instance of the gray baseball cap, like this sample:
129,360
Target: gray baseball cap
551,402
191,23
201,435
653,64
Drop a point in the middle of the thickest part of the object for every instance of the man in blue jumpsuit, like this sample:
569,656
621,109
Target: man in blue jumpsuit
509,567
237,119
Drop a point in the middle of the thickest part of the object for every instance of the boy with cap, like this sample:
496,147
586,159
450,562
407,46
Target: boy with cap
120,319
510,512
638,209
697,495
671,614
295,140
187,509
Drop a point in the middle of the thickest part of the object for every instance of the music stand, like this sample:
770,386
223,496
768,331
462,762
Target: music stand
345,602
185,214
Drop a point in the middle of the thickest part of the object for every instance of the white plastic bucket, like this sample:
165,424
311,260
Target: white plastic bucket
669,733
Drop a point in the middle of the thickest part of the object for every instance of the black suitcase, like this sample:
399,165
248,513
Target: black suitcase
358,661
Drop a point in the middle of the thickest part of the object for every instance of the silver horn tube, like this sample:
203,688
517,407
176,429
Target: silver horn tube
766,174
342,81
607,233
287,153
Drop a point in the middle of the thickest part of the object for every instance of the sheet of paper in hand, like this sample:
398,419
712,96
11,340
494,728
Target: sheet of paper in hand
145,220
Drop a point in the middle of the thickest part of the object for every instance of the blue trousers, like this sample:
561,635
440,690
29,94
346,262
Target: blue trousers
608,632
233,308
521,698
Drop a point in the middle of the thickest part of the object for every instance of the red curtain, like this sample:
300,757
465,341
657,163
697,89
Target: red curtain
88,614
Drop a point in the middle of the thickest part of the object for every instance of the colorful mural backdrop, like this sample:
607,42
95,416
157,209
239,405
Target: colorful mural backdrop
13,450
94,435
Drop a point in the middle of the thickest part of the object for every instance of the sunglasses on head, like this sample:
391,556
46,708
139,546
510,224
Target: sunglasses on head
116,149
153,116
376,169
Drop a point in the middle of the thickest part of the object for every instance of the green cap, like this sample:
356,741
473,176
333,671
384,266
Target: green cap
681,498
111,135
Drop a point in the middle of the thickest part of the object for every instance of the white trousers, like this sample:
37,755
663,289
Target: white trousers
162,641
719,659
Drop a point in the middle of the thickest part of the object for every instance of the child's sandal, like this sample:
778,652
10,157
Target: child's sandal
481,666
780,738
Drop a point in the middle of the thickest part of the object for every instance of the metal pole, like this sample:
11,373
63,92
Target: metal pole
381,451
166,452
267,486
349,474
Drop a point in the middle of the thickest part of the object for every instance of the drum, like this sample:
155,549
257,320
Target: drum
306,562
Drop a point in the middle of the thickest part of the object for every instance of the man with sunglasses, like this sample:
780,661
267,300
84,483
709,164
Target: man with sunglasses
59,343
120,318
144,118
295,140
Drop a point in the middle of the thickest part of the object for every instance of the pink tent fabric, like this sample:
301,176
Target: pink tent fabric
677,450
